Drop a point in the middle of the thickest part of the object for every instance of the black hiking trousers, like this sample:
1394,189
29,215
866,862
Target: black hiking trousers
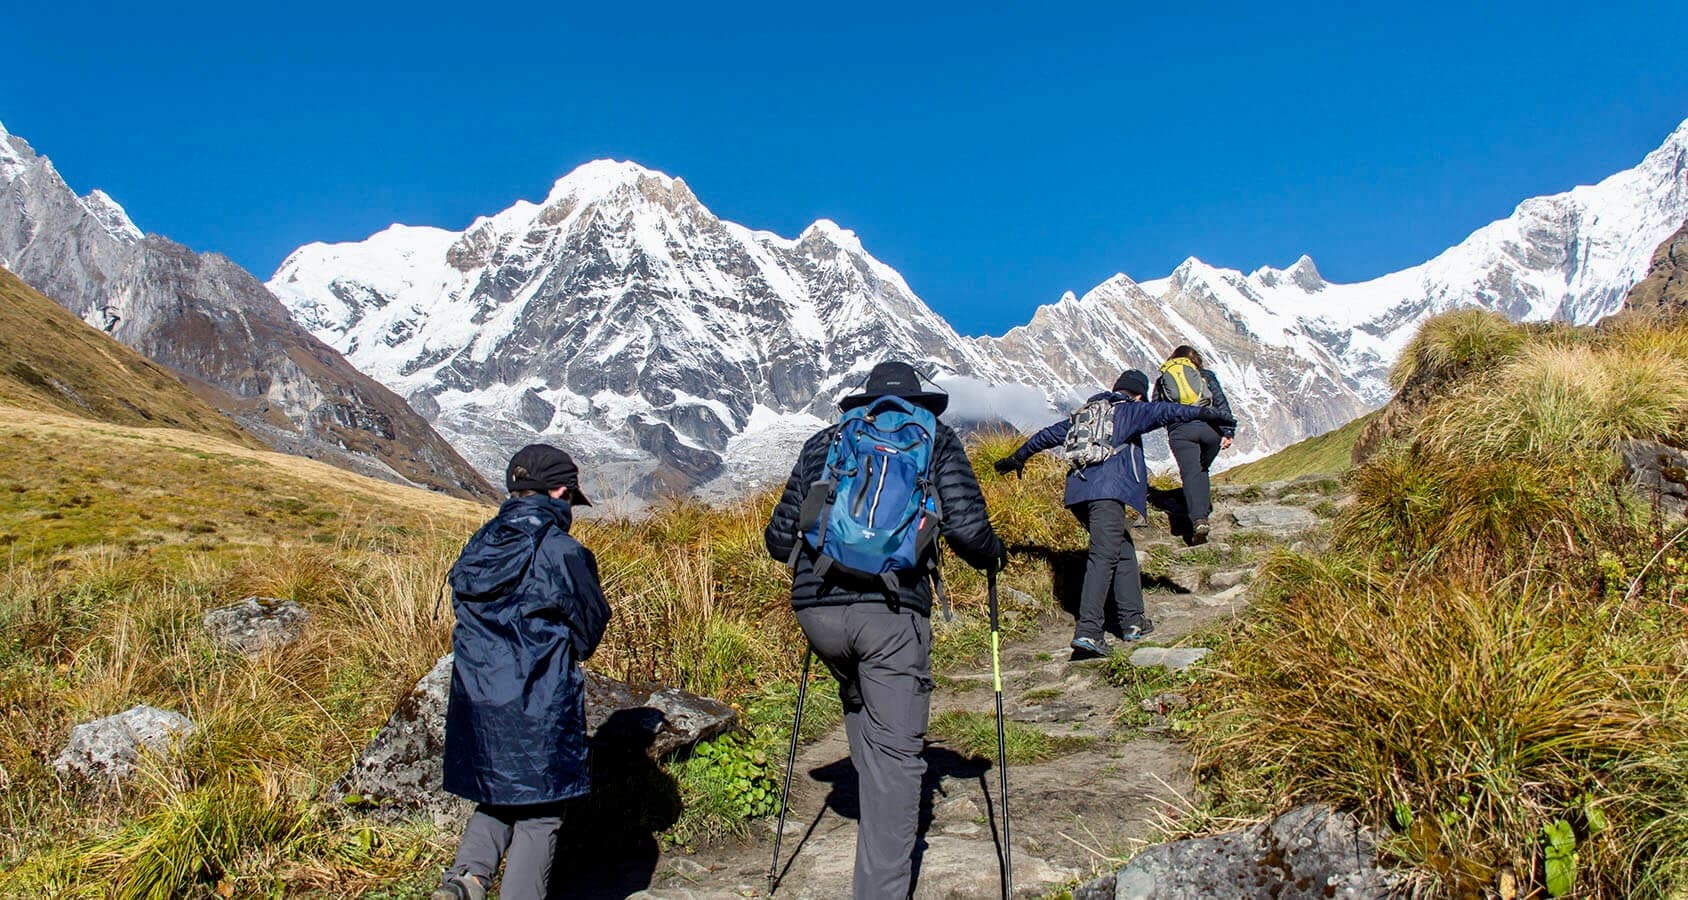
1112,563
1195,445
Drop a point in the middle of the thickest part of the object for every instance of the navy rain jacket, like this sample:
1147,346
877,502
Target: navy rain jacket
529,609
1125,475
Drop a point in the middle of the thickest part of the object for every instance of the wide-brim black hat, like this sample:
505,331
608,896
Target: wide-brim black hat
896,379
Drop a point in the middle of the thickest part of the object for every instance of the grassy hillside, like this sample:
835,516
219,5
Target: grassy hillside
51,360
1322,454
118,539
1486,662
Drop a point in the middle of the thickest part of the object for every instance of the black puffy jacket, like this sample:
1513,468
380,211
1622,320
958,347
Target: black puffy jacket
966,528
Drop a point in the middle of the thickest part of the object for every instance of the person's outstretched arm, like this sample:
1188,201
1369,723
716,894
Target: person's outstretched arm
1049,437
1133,419
966,524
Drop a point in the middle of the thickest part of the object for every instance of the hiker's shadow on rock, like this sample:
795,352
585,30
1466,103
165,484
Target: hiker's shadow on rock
608,846
942,764
1171,501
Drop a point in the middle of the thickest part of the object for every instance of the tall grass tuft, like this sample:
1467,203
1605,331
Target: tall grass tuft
1459,341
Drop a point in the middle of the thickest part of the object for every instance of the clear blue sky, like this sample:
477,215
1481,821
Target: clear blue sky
995,158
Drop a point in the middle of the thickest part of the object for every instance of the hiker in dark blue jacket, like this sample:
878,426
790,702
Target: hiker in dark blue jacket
1107,497
529,610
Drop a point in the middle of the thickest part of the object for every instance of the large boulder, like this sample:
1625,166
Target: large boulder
108,749
256,625
403,767
1309,853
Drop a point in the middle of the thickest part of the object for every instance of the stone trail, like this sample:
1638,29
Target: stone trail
1074,815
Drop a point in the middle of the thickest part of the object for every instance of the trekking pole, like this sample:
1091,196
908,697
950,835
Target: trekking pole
1001,742
790,763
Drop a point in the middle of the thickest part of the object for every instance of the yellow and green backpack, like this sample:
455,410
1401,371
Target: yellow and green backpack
1181,382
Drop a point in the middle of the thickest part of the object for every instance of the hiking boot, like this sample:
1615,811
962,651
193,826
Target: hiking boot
1200,527
1088,648
459,887
1137,630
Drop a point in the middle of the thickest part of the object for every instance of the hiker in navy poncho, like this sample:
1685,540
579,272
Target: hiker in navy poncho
529,609
1107,497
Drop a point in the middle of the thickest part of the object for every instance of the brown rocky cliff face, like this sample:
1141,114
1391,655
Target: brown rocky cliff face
1664,292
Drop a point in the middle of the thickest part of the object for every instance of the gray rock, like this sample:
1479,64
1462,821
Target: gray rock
1658,471
1173,658
1273,517
1096,889
1309,853
1163,703
402,767
256,624
108,749
1223,580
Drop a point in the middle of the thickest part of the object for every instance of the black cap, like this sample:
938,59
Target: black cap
1132,381
896,379
544,468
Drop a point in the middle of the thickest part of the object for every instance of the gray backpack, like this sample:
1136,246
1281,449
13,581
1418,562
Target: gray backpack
1090,434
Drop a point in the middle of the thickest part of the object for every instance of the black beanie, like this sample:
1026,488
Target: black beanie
1132,381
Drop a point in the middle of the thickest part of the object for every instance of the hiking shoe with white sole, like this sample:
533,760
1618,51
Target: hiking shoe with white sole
1137,631
1088,648
459,887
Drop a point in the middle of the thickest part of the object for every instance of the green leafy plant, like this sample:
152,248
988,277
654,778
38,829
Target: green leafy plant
1559,856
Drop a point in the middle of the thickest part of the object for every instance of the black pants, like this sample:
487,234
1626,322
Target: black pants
1195,445
1112,562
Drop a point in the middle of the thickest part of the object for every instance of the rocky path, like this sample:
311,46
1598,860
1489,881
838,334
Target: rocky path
1077,812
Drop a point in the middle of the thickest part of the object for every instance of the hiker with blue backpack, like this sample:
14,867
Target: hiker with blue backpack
1194,445
858,524
1107,490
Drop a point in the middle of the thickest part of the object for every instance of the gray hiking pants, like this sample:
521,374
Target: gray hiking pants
883,662
1195,445
1112,562
524,837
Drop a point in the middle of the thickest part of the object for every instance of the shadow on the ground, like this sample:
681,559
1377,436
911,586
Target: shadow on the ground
941,763
608,846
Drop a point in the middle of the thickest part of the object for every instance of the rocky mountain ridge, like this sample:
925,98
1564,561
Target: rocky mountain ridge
675,349
216,326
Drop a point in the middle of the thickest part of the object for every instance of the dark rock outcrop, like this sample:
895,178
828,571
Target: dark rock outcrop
1664,292
402,770
1658,472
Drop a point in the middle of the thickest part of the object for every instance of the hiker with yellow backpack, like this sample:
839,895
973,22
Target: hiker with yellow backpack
1196,444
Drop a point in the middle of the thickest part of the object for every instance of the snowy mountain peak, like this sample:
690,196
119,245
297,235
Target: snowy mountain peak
1302,273
15,154
111,215
602,177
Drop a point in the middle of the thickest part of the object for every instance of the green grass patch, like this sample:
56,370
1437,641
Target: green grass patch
975,735
1328,453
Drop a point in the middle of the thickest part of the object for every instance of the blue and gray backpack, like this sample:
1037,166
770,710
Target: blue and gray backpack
875,512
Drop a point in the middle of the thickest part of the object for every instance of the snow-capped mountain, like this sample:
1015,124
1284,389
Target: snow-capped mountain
622,318
214,324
